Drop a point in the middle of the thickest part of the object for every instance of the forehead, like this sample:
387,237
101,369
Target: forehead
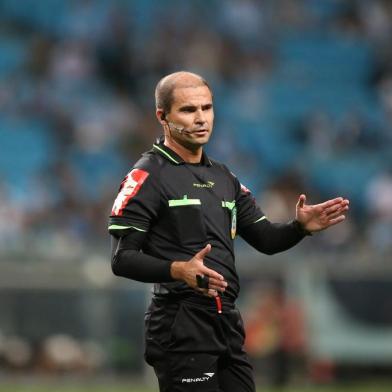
199,95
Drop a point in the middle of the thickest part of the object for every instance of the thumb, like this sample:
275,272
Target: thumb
301,201
201,254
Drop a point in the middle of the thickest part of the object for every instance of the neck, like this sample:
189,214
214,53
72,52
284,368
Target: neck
190,155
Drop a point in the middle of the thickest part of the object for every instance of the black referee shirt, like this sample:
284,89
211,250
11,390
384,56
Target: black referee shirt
181,207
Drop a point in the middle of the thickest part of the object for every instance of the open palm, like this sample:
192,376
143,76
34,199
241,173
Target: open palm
321,216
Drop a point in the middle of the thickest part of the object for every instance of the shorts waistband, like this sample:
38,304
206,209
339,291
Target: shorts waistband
203,301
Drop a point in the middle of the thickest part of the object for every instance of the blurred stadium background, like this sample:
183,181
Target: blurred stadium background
303,103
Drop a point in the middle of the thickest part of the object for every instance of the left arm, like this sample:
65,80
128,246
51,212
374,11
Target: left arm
272,238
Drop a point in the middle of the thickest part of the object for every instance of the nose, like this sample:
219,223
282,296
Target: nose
200,117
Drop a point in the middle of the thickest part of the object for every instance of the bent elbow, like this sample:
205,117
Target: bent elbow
269,251
115,270
116,266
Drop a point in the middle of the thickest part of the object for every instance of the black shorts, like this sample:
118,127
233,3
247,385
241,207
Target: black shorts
194,348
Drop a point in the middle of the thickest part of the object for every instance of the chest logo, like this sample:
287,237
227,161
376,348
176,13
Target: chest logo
209,184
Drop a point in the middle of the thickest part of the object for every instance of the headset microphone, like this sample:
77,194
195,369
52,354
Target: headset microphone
178,128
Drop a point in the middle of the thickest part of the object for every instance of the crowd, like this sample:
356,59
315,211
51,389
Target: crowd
303,102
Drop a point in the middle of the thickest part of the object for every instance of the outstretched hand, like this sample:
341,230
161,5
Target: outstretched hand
188,270
321,216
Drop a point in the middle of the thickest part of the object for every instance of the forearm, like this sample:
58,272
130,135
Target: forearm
271,238
128,261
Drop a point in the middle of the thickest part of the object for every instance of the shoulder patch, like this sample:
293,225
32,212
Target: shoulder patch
244,189
128,189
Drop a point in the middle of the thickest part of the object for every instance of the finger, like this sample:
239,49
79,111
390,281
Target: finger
211,273
216,287
337,220
336,207
331,202
334,216
201,254
212,293
332,209
343,203
301,201
217,284
336,213
207,292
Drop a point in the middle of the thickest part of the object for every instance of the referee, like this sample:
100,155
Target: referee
173,224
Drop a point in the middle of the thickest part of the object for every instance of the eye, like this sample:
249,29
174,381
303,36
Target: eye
188,109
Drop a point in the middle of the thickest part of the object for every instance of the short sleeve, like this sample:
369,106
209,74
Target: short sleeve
248,212
137,202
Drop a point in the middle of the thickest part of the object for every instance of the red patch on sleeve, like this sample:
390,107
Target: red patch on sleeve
244,189
129,188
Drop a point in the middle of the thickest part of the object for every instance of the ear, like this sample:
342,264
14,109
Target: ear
161,116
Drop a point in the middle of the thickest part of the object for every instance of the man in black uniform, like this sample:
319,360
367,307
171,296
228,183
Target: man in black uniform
173,224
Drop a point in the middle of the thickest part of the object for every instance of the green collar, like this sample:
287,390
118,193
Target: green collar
171,156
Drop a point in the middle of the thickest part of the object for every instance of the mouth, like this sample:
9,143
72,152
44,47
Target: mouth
200,132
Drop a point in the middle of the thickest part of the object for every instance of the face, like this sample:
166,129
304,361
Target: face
192,110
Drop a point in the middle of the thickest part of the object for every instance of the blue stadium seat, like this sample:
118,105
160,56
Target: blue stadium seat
97,170
26,151
347,174
326,57
13,55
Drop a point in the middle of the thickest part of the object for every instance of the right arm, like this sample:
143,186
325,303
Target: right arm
129,262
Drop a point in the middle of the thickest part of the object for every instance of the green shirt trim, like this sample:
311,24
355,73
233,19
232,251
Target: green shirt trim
184,202
167,155
228,204
119,227
260,219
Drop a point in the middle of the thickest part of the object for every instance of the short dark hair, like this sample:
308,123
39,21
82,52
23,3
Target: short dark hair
165,88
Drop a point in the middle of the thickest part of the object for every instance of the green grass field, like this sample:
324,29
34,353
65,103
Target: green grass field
128,387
